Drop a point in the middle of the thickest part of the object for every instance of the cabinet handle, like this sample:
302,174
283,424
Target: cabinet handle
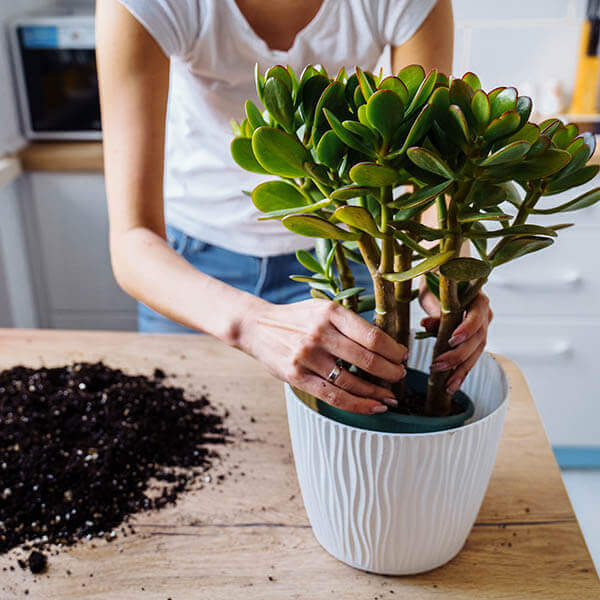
555,283
535,353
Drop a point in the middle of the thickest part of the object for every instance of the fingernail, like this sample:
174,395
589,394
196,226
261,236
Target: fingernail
390,401
379,408
402,372
457,339
439,366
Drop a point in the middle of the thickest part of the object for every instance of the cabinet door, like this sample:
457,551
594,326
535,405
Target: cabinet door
559,358
70,216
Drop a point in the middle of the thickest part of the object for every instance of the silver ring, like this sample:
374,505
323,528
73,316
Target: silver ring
335,372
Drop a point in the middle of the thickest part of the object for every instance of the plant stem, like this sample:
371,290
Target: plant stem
386,311
439,402
346,278
402,293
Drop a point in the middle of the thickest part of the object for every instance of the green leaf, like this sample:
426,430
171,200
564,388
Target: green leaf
525,229
385,111
502,126
578,178
461,95
459,126
412,77
421,196
317,173
276,195
484,194
278,101
254,115
329,260
465,269
396,85
279,152
364,132
508,154
541,166
281,73
330,150
472,80
349,292
323,248
419,129
241,150
423,92
358,217
578,160
564,136
489,215
364,84
504,101
550,126
588,199
320,294
353,255
524,107
259,81
235,127
317,282
352,191
313,226
427,160
284,212
373,175
350,139
440,100
479,243
539,147
306,259
362,115
520,246
418,229
366,303
310,93
427,265
530,133
333,100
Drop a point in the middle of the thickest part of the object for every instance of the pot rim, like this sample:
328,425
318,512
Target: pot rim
501,406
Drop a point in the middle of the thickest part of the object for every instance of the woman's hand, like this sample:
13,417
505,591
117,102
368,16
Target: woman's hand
301,342
468,339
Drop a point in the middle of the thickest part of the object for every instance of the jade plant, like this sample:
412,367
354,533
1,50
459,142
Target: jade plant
359,158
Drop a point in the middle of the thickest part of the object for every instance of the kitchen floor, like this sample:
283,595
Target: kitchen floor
583,487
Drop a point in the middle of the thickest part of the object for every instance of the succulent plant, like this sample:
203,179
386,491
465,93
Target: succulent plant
359,157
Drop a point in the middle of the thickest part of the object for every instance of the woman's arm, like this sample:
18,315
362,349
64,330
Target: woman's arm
297,343
432,47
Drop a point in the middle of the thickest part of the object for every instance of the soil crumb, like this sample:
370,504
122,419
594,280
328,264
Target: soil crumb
84,446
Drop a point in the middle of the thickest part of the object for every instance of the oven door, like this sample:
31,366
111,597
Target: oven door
58,83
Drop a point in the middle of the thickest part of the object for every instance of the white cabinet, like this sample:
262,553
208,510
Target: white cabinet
68,233
547,308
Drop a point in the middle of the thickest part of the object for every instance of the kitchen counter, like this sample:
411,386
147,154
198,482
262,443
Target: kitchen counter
250,533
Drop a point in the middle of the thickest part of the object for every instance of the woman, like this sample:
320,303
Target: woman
214,267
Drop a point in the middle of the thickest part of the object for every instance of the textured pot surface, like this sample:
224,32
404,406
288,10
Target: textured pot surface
398,503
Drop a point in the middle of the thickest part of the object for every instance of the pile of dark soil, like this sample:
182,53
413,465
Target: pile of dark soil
80,445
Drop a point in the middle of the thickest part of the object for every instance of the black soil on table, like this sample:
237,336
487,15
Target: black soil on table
84,446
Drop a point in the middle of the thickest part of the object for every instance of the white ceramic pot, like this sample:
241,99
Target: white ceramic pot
395,503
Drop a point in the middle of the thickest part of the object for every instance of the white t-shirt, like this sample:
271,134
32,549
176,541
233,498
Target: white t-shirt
213,50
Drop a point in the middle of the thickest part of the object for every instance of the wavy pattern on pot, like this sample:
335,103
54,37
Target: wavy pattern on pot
398,503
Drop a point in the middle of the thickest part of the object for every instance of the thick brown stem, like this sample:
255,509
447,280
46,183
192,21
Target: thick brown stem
403,293
439,401
346,278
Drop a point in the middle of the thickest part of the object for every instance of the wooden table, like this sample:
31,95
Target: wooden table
249,537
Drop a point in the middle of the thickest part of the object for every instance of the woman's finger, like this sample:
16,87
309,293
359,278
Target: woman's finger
477,315
457,378
356,354
362,332
455,357
323,364
318,387
431,324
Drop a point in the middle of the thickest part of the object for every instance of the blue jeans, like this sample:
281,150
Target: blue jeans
265,277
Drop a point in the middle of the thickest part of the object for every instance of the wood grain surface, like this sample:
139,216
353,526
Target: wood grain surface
62,156
248,536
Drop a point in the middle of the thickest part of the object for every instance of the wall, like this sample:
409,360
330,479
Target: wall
517,41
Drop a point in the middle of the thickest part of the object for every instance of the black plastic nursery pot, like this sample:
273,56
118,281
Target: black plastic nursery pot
392,422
